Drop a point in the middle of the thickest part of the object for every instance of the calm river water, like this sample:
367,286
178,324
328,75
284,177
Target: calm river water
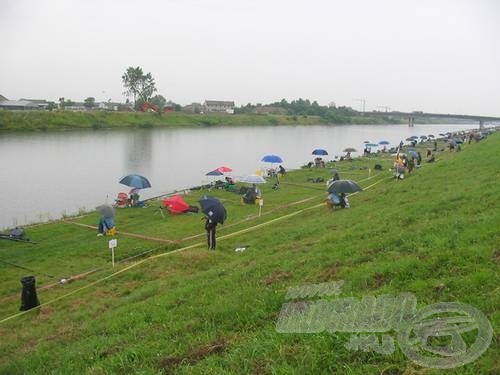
46,175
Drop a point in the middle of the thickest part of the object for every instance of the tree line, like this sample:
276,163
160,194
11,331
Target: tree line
303,107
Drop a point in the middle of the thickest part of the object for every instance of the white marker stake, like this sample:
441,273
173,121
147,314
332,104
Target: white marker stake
261,203
112,244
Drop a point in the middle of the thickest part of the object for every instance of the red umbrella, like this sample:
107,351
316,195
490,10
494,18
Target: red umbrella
224,169
176,205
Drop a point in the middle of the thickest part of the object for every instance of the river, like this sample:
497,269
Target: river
47,175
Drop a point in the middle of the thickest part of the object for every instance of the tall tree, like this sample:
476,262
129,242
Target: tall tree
89,103
139,85
159,101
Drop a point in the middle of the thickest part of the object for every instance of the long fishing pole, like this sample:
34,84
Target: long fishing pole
25,268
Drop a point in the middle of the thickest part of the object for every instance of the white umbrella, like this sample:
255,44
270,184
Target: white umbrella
253,179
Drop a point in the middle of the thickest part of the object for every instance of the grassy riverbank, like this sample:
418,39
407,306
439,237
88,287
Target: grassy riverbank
65,120
434,234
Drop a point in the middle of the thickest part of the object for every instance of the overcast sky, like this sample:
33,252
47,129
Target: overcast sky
430,55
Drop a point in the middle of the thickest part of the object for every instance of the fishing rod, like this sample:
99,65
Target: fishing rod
25,268
15,238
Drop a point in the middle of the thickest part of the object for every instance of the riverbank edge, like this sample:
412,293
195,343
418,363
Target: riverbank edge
25,121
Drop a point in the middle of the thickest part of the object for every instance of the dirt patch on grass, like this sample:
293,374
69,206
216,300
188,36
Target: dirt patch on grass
110,351
330,272
195,257
260,367
378,279
276,276
103,293
78,304
391,371
44,313
373,252
496,256
290,352
439,288
168,364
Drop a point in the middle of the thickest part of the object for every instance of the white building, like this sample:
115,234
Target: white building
218,106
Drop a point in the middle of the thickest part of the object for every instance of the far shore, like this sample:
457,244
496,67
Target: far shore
68,120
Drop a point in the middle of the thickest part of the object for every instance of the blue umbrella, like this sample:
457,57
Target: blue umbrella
213,208
253,179
384,143
136,181
371,145
320,151
215,172
272,159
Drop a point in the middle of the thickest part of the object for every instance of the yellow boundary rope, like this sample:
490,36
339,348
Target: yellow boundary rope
170,253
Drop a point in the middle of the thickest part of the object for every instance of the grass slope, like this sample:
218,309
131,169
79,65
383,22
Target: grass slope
434,234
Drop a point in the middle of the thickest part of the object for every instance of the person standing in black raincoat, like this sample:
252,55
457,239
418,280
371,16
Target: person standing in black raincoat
214,213
210,227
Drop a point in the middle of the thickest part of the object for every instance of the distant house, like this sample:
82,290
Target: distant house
41,103
218,106
3,98
20,105
169,106
76,106
113,106
193,108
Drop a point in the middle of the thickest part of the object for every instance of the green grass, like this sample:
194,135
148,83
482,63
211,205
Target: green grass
435,234
66,120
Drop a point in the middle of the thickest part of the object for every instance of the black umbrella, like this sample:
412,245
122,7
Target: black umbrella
215,172
213,208
343,186
349,149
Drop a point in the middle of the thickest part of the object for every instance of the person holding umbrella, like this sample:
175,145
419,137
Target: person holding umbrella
215,213
136,182
210,227
337,191
133,196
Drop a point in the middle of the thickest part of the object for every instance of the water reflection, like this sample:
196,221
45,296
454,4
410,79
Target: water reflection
138,152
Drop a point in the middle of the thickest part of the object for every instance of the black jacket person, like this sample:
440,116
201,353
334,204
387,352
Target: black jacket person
210,226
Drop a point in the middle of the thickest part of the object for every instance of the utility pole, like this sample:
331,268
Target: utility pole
363,101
